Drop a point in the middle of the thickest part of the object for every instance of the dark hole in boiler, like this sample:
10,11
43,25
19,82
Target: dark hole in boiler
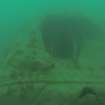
64,36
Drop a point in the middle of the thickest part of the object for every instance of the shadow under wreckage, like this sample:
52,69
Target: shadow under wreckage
65,36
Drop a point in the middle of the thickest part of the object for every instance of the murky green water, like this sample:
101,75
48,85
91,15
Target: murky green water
52,52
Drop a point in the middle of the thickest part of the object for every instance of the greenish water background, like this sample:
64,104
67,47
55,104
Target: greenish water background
25,15
18,18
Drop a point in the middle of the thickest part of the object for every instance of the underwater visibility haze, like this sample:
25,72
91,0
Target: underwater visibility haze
52,52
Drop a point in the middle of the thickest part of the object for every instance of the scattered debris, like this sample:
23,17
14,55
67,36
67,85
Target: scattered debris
86,91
